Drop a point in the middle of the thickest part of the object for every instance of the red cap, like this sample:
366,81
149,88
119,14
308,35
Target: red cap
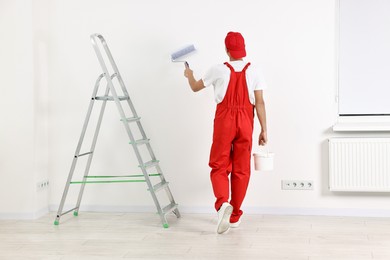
235,45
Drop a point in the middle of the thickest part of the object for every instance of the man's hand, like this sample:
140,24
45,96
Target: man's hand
263,138
195,85
188,73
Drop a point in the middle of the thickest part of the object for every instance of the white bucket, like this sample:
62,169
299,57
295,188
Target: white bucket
264,161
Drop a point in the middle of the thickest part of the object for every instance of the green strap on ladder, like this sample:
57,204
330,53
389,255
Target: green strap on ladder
114,181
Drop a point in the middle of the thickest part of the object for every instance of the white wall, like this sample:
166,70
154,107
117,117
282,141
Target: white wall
40,18
24,108
294,42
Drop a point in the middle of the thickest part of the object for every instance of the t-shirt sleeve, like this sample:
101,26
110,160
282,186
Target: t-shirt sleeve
209,77
259,81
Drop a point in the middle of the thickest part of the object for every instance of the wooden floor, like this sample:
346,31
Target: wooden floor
141,236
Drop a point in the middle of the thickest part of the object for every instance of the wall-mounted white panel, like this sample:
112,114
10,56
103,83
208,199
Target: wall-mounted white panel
364,57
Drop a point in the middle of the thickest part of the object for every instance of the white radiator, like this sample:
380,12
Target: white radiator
359,164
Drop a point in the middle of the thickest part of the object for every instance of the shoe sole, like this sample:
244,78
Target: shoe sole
234,225
224,225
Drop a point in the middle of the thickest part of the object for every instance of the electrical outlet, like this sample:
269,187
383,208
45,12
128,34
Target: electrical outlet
42,185
297,185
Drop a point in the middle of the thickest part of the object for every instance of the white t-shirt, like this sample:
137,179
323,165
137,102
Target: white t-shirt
219,77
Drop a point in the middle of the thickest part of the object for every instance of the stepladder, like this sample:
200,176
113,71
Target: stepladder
150,172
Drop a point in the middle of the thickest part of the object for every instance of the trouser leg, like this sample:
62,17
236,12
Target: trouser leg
241,158
221,161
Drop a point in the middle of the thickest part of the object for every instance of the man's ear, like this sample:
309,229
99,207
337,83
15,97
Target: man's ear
227,52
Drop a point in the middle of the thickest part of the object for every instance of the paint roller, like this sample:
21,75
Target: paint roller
178,55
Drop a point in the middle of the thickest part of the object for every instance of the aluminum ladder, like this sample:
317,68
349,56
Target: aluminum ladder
99,43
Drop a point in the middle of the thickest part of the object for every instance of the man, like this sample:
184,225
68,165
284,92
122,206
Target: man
238,90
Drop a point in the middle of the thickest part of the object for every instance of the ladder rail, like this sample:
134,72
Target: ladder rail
93,145
98,37
120,109
167,190
81,139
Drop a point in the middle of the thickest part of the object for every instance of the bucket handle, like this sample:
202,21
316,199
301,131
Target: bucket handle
266,150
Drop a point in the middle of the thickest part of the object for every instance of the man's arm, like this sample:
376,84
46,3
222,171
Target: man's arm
195,85
261,115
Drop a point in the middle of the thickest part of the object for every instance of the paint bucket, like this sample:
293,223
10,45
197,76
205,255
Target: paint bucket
264,161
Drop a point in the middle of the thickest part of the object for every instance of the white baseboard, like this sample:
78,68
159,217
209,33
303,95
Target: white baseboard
105,208
320,212
247,210
210,210
24,215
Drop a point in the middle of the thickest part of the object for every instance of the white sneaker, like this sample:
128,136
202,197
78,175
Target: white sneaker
235,224
224,218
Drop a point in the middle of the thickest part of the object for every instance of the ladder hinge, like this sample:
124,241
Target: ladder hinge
76,156
111,98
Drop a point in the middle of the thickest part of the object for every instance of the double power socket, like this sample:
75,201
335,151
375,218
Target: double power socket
42,185
297,185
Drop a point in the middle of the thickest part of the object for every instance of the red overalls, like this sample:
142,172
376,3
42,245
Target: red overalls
232,144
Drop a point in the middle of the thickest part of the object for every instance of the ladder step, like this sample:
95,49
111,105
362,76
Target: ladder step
150,164
111,98
171,207
132,119
140,141
160,186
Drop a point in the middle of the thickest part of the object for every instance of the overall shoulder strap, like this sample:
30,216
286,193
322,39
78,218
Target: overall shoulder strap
246,66
229,66
232,69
